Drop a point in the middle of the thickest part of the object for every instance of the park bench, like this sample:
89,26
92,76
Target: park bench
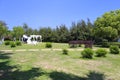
88,44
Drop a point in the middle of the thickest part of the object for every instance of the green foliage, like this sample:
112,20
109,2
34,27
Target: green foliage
87,53
65,51
7,42
115,44
81,30
46,34
3,29
18,31
108,26
18,43
48,45
101,53
114,50
12,44
105,43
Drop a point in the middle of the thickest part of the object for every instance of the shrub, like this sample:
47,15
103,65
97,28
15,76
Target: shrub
12,44
101,53
114,50
7,42
115,43
18,43
87,53
105,43
49,45
65,51
73,45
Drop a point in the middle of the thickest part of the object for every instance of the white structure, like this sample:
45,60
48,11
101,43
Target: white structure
32,39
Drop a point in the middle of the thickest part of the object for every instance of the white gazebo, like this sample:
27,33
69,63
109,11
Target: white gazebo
32,39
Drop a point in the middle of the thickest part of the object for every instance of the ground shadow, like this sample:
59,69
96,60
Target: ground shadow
63,76
8,72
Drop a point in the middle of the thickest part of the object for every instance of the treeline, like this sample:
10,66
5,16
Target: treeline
105,28
78,31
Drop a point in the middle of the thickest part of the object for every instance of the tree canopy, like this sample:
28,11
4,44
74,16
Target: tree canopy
3,29
108,26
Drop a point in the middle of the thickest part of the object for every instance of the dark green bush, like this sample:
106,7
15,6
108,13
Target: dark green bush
7,42
12,44
101,53
105,43
48,45
18,43
65,51
87,53
114,50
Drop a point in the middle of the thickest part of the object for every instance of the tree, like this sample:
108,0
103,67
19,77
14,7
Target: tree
81,30
62,34
112,21
25,27
3,29
29,31
35,32
46,34
107,33
18,31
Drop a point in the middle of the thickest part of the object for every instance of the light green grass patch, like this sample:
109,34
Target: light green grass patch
53,65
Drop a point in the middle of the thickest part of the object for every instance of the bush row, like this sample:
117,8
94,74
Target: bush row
12,43
88,53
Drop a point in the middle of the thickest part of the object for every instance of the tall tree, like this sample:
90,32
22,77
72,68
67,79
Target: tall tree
81,30
109,19
35,32
3,29
46,34
62,33
18,31
25,27
74,32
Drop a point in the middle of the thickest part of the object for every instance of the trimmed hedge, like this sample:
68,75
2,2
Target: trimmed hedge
65,51
18,43
12,44
101,53
7,43
105,43
114,50
48,45
87,53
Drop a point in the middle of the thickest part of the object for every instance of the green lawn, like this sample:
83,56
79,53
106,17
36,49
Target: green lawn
38,46
53,65
42,46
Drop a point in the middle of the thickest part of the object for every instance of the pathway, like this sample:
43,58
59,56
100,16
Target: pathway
22,50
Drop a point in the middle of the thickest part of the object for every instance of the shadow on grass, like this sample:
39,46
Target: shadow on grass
63,76
9,72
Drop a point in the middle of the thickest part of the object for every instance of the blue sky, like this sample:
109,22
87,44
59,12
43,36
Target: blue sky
44,13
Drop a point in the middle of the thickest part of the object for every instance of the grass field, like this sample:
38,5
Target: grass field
42,46
53,65
38,46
